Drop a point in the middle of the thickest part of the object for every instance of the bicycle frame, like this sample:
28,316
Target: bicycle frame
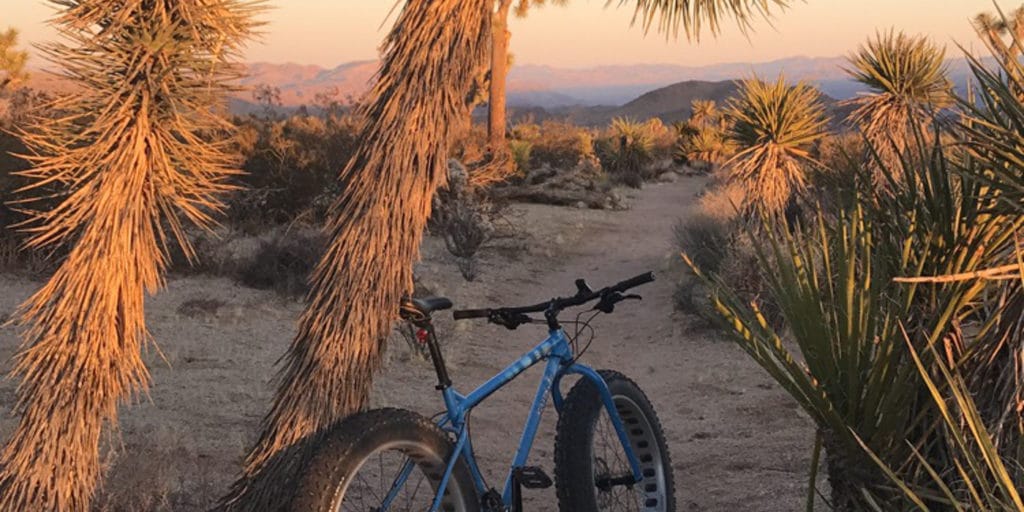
558,354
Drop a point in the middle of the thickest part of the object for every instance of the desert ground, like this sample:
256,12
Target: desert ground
738,442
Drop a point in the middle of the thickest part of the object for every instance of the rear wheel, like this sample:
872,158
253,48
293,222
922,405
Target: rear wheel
591,468
361,459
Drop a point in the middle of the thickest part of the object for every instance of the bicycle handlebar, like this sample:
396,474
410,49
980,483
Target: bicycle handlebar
513,317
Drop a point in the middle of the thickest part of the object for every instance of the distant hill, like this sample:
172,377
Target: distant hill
567,91
670,104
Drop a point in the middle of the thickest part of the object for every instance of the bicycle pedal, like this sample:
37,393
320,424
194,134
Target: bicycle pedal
532,477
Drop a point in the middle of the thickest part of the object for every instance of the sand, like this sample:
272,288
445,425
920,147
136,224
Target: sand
738,442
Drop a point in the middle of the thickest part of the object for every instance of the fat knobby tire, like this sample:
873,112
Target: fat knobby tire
574,438
359,436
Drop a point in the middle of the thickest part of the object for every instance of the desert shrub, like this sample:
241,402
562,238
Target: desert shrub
526,129
487,166
706,147
521,152
282,263
840,155
862,342
714,238
626,151
462,218
703,140
557,144
663,138
706,239
291,169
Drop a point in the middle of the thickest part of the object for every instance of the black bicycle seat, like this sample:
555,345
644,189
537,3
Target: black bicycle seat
428,305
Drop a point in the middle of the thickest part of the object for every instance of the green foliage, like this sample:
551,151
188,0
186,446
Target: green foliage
704,138
557,144
983,480
627,151
12,60
698,16
993,128
291,168
774,126
907,80
849,321
521,154
708,144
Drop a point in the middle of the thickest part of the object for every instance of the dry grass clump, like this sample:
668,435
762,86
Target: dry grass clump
714,237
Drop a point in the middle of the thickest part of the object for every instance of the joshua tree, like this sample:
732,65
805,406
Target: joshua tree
500,37
907,79
774,126
430,59
140,155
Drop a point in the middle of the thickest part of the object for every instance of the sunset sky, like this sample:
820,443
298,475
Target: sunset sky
586,33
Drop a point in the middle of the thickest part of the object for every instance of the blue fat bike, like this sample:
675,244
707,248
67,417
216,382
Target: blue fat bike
610,451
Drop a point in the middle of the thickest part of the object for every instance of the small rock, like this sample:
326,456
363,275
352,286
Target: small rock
581,205
668,177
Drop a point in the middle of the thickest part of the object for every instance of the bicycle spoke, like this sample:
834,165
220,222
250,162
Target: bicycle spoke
406,496
610,461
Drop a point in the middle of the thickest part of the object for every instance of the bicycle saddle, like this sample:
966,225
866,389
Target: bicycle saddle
428,305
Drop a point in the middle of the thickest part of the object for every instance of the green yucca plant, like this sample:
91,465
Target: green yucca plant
630,150
979,478
137,156
993,128
703,112
907,82
774,126
834,283
704,137
707,144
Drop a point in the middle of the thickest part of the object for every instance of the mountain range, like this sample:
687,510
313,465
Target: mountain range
556,87
583,95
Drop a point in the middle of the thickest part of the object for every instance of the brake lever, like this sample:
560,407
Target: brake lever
508,320
608,301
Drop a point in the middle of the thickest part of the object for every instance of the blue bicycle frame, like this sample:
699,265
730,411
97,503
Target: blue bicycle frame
558,354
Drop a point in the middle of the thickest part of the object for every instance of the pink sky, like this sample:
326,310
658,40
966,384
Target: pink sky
586,33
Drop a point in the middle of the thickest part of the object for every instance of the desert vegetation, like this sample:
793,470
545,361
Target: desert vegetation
885,298
870,265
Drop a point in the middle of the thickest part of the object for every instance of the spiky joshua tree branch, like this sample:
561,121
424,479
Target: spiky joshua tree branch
136,157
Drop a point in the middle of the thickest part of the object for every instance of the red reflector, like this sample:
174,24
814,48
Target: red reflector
421,336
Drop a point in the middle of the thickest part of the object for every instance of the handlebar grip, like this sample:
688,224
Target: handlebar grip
646,277
466,314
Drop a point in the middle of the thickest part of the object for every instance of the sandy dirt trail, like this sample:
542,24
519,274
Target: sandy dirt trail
738,443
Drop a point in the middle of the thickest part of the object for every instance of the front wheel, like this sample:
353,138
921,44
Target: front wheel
591,468
361,463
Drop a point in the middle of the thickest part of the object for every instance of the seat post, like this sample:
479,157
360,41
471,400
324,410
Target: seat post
443,381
